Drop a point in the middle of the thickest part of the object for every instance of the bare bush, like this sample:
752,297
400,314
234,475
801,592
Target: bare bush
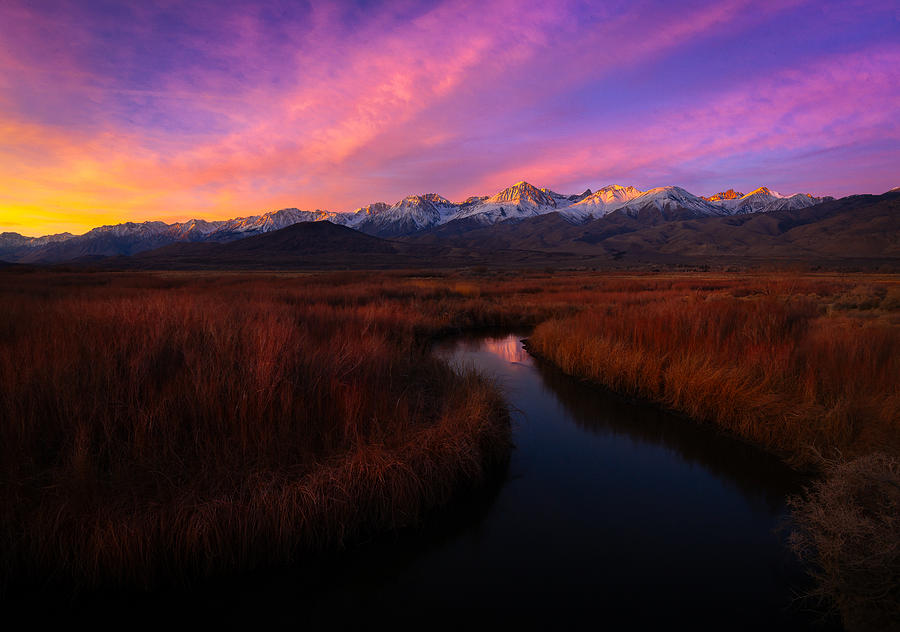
847,528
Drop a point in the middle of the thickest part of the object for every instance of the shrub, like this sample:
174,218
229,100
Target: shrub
847,526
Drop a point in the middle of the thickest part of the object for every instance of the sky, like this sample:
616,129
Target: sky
115,111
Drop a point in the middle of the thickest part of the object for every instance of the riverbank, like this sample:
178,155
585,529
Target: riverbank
789,371
811,376
157,432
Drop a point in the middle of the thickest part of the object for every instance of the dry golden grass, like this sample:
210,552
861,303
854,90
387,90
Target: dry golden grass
157,431
801,368
158,427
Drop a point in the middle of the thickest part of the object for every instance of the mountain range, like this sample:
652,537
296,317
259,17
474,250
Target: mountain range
525,223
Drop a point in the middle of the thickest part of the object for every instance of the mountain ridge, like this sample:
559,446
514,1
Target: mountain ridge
854,231
411,215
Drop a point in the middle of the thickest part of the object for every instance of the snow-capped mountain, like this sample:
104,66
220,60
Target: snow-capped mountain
132,237
675,201
763,200
228,230
221,230
602,202
194,229
410,215
14,246
665,202
730,194
524,195
668,200
118,239
516,202
15,240
128,229
363,212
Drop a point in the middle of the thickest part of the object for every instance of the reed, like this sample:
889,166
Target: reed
159,432
159,427
792,371
806,367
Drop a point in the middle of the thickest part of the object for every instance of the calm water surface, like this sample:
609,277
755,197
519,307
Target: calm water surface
611,514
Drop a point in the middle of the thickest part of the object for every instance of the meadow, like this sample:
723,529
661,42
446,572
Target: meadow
807,368
156,430
159,427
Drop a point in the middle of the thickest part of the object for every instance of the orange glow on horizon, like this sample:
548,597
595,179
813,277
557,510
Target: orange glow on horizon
374,106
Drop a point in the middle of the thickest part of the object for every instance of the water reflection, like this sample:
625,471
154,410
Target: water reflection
756,474
671,521
508,348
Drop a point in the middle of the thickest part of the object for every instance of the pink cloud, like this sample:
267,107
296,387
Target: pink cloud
812,109
453,100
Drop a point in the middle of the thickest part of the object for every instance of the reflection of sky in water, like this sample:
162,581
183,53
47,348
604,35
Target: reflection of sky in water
509,348
626,499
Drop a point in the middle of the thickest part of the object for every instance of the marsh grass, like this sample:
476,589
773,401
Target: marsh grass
792,371
160,427
806,367
157,433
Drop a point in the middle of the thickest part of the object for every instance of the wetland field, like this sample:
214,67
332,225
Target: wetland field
514,445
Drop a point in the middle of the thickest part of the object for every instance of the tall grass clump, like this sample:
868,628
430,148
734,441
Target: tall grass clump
160,427
154,431
779,369
805,367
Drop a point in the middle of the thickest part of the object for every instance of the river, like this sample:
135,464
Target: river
611,514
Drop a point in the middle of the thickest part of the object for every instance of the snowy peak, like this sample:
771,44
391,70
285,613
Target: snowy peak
194,229
730,194
430,207
372,209
288,216
517,202
228,230
428,199
128,229
363,214
15,240
764,199
222,230
602,202
614,193
524,195
411,214
764,191
668,200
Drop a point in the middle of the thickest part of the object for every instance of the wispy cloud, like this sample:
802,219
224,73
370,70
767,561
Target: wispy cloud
140,111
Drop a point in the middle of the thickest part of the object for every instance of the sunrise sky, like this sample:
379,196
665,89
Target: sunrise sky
127,111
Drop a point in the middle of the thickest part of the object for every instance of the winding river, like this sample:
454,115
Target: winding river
611,514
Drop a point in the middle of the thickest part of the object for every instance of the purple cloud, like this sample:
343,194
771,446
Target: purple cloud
151,110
